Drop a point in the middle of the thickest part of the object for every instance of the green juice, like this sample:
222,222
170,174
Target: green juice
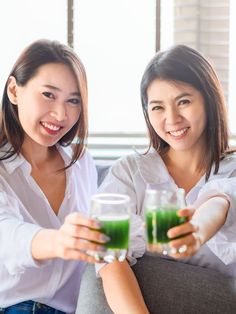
159,221
117,228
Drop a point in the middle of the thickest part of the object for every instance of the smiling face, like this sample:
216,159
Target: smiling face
49,104
177,114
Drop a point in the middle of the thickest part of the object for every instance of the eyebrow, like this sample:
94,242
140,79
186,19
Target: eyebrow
176,98
59,90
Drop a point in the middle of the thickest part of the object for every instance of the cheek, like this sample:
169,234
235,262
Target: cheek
200,121
74,115
155,122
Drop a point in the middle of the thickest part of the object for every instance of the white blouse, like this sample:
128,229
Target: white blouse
24,210
131,174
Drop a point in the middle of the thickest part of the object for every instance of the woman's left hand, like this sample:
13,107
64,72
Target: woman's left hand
188,242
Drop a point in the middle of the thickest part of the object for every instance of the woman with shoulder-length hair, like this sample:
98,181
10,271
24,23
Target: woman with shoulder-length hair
45,189
185,113
183,64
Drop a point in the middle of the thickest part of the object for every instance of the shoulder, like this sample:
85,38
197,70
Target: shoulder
149,166
137,159
129,163
85,159
228,166
230,158
226,176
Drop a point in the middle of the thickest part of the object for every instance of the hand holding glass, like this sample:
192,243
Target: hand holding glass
112,211
161,207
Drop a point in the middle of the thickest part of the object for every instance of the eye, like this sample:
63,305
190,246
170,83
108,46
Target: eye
184,102
74,101
48,95
158,108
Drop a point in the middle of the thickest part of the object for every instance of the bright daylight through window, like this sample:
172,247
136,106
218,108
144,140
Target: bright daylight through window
115,40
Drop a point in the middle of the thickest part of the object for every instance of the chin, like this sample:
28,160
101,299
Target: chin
47,143
180,148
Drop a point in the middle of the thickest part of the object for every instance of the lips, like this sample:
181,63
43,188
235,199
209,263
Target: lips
178,133
51,128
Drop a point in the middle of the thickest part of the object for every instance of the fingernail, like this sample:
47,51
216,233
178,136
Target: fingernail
102,248
97,224
104,238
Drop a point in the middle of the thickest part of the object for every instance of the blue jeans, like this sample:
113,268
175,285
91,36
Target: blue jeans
29,307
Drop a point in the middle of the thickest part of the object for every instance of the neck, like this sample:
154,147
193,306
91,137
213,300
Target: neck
36,154
179,159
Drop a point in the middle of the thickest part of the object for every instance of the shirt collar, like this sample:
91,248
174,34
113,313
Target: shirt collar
153,169
16,161
154,172
66,153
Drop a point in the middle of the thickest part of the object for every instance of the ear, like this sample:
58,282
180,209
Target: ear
12,90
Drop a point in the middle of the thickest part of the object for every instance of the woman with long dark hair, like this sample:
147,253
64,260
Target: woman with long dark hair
185,113
45,188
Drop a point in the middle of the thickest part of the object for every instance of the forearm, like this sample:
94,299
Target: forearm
43,244
210,217
122,290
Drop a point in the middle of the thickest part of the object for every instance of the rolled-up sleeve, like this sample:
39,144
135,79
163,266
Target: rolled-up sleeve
223,243
15,237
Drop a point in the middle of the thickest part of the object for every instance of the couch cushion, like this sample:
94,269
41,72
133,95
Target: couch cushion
173,287
168,287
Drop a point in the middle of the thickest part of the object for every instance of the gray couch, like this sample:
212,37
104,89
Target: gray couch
168,287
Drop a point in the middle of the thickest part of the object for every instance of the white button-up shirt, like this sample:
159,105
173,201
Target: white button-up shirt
132,174
24,210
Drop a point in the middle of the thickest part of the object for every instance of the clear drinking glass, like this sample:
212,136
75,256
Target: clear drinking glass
161,208
113,211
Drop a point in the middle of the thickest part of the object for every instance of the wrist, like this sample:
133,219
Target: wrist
44,244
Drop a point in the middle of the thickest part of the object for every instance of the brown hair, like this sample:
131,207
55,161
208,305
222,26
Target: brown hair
39,53
184,64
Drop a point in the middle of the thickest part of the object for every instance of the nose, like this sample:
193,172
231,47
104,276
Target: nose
172,115
59,112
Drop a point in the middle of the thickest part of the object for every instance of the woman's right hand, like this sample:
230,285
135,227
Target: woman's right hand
183,238
77,236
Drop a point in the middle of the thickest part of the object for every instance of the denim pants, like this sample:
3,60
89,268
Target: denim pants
29,307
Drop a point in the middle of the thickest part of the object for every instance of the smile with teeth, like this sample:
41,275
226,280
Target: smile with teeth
178,133
50,126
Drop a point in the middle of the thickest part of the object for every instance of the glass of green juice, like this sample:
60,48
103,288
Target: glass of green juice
161,207
113,212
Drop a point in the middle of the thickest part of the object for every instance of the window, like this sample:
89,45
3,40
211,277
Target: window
22,22
115,40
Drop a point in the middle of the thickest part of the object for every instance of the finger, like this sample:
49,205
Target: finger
182,229
90,246
79,255
186,212
92,235
183,251
79,219
83,245
76,232
186,247
188,240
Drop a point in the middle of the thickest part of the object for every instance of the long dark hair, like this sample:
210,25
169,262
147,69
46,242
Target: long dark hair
184,64
39,53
